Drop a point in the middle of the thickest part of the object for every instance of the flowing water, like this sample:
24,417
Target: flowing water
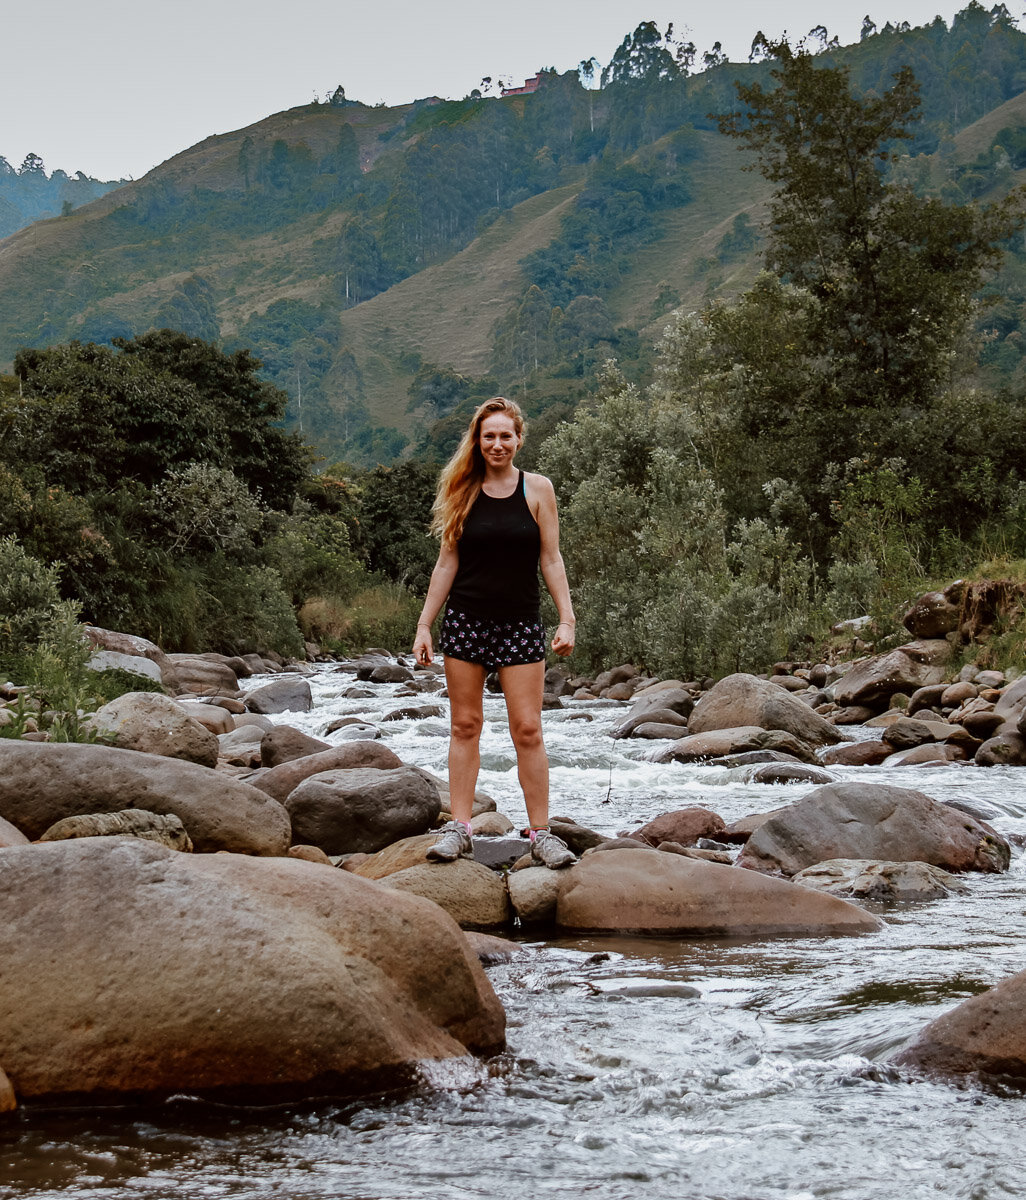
636,1067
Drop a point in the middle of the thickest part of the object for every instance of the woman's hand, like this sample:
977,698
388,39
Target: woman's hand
422,649
563,642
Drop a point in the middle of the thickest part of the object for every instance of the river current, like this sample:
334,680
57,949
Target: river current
636,1067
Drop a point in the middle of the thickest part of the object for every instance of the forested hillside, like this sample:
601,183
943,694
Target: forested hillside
389,265
28,194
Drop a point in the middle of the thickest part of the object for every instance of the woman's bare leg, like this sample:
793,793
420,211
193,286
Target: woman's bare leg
466,689
522,687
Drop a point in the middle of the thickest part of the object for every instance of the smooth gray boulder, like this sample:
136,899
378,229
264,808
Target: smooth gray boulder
155,724
285,693
281,780
42,782
743,700
872,821
905,669
362,810
859,879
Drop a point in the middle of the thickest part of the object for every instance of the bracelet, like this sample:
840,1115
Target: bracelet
572,624
423,624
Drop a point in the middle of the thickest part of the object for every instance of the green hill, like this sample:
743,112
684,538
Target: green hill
445,247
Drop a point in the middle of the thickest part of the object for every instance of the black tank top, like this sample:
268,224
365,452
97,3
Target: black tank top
497,576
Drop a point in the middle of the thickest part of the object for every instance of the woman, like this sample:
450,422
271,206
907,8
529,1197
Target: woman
497,525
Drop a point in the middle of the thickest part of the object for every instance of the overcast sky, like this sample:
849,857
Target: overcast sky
113,87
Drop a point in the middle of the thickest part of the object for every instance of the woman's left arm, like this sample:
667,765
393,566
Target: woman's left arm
542,498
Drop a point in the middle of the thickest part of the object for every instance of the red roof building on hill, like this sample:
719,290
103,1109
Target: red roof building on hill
530,85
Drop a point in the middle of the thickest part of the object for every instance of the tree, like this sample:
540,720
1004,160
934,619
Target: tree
893,273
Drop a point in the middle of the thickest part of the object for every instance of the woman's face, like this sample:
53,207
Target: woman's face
498,440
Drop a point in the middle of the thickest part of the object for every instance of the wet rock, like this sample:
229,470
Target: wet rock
786,773
743,700
388,673
470,893
654,731
852,714
742,829
917,756
280,781
907,668
533,893
414,712
749,757
286,693
219,974
638,891
651,715
164,829
881,881
282,744
499,852
155,724
719,856
983,1039
906,732
492,950
857,754
42,783
658,699
1003,750
684,826
363,809
698,747
623,841
872,820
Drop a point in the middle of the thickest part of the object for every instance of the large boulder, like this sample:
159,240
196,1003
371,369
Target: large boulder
155,724
741,699
132,971
11,835
280,781
204,676
470,893
286,693
166,830
40,783
725,743
933,615
983,1038
905,669
533,892
362,810
282,744
135,647
644,891
873,820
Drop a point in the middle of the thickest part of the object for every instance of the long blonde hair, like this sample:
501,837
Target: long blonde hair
459,485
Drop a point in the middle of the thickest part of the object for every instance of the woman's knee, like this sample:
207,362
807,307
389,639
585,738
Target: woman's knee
466,727
527,735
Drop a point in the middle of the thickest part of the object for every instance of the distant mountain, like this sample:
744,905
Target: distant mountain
389,265
28,194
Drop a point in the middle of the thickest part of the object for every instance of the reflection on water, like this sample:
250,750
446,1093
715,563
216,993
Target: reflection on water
636,1067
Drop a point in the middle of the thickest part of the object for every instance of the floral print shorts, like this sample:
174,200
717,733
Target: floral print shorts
492,644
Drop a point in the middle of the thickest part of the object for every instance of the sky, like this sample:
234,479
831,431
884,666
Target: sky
114,87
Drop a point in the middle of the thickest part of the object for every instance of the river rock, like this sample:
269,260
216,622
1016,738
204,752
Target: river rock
203,676
958,693
916,756
857,754
661,716
472,895
492,950
697,747
932,616
873,820
743,700
364,809
166,830
223,975
110,660
155,724
881,881
241,747
387,673
578,837
742,829
533,893
312,854
981,723
482,801
135,647
638,891
40,783
280,781
786,773
1003,750
926,697
10,835
282,744
211,716
684,826
982,1039
286,693
397,856
905,669
906,732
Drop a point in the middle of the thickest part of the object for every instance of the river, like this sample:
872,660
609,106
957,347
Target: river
636,1067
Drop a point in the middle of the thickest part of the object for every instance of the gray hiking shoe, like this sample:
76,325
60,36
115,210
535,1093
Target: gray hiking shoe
453,842
551,851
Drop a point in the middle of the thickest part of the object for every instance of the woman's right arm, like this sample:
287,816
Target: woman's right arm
441,584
